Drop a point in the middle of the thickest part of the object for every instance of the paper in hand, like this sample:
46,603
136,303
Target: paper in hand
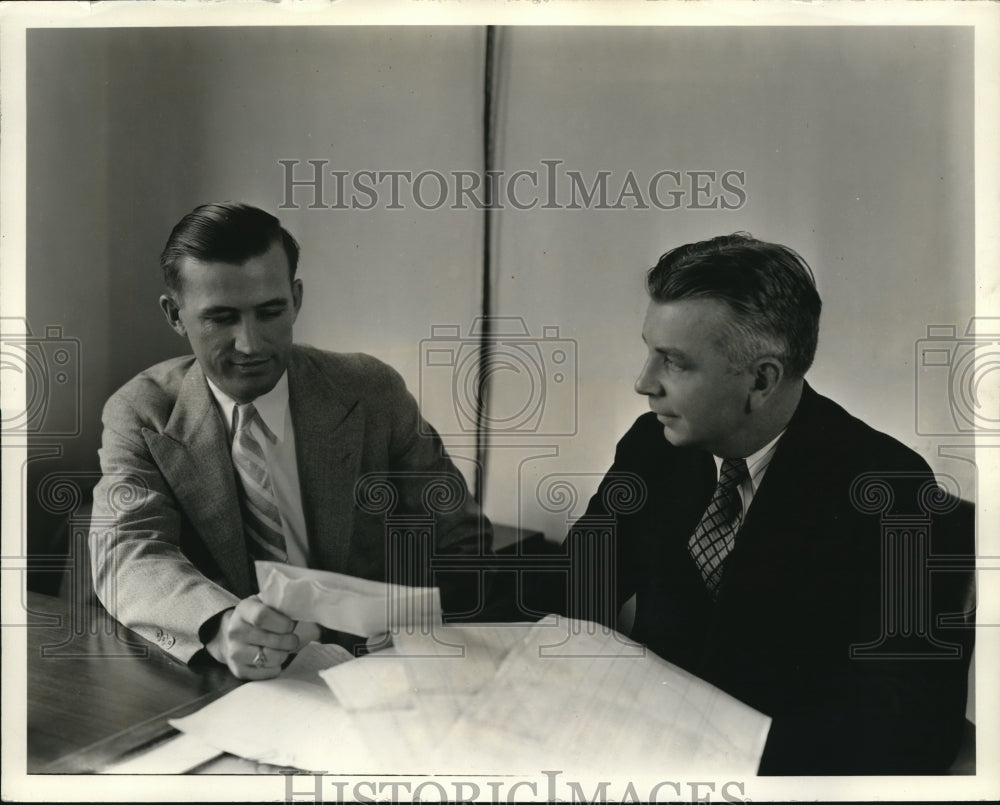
346,603
314,659
448,661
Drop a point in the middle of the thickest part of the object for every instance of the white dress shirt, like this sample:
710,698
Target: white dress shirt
757,464
277,442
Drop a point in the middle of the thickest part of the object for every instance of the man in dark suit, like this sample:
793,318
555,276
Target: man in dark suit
777,552
253,448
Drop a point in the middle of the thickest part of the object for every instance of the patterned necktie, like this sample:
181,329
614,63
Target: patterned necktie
714,537
261,518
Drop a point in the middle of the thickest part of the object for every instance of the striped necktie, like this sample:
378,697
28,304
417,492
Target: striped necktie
261,517
715,535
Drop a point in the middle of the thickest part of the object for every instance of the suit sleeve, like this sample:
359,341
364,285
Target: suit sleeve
141,575
601,546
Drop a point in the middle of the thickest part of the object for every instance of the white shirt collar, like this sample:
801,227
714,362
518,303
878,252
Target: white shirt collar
757,462
272,407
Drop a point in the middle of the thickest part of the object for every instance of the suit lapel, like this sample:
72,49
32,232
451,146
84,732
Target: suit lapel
673,608
680,487
688,487
193,455
781,491
329,429
776,536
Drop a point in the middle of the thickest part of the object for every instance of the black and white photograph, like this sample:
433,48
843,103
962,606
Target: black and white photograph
500,401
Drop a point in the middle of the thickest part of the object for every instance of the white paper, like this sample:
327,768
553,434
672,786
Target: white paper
371,682
313,659
483,698
285,722
588,700
449,660
175,755
346,603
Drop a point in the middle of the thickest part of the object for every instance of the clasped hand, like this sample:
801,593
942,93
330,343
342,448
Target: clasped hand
253,640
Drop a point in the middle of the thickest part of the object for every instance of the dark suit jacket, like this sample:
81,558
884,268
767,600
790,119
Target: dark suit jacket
805,582
167,544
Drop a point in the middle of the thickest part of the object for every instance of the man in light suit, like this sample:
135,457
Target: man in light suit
253,448
760,558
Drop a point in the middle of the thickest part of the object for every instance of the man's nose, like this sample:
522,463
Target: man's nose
646,383
247,337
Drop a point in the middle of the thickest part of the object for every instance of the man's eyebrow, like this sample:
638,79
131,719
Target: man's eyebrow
663,350
216,310
670,352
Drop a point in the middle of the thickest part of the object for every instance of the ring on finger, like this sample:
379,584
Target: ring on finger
260,659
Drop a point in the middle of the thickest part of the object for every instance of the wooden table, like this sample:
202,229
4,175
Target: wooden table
97,691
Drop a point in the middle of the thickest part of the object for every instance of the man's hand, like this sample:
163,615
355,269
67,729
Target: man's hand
253,640
307,632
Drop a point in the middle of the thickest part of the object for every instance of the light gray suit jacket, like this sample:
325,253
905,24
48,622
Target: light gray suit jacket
167,545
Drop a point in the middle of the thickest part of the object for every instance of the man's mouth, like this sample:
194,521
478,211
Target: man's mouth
250,364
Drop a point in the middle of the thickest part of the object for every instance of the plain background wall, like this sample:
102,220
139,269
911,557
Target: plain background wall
856,146
129,129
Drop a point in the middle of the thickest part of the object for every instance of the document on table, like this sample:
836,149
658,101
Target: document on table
186,751
498,698
453,660
173,756
594,702
292,720
315,658
346,603
285,722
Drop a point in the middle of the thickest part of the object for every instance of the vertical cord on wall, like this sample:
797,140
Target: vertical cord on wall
486,310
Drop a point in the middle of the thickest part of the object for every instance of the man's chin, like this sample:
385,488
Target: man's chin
246,389
671,432
678,438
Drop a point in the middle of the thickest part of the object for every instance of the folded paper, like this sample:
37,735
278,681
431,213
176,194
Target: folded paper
346,603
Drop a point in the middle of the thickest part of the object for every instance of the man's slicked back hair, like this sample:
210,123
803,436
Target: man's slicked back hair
769,289
224,232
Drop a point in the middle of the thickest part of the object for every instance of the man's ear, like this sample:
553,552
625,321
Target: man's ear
767,373
297,295
172,313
